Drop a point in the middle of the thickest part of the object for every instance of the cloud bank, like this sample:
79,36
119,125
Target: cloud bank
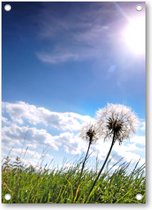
43,131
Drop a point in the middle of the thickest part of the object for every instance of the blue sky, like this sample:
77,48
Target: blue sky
69,57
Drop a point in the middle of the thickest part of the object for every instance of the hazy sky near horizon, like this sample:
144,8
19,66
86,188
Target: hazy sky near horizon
61,63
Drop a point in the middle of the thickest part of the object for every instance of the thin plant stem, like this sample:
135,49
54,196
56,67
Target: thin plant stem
82,168
95,181
85,159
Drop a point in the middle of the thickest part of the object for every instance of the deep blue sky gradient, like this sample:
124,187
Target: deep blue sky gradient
104,72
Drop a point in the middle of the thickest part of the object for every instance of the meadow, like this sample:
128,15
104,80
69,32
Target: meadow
120,182
117,184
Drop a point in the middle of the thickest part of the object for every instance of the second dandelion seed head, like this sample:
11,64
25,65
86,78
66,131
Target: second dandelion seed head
89,132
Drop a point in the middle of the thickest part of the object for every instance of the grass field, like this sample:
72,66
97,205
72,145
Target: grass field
27,185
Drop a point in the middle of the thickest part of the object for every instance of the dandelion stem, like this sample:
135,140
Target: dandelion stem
82,168
85,158
95,181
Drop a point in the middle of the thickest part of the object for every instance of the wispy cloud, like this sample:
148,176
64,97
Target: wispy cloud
58,57
81,33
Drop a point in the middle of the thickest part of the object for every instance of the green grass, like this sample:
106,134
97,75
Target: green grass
26,185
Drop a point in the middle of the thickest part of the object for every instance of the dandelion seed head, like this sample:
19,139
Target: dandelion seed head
116,119
89,132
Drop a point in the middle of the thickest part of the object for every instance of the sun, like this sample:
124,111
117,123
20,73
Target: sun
134,35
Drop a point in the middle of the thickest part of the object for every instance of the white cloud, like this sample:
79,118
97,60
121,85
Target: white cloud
16,135
138,140
32,127
129,150
21,112
141,128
